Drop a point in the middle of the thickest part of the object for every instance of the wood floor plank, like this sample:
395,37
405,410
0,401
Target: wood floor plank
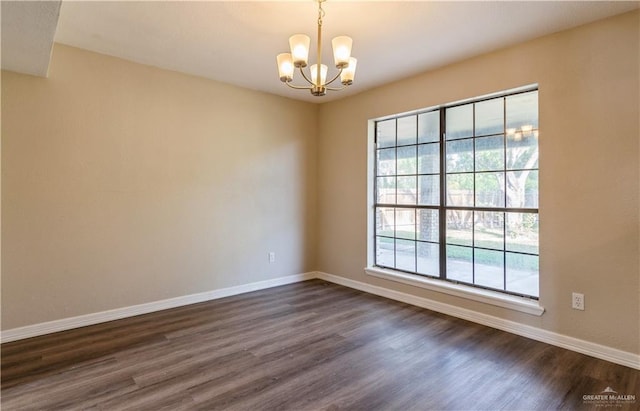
305,346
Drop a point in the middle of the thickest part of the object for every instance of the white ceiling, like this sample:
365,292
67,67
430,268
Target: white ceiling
236,41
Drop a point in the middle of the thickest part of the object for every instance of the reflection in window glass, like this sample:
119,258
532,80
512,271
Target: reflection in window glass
459,122
460,227
522,110
407,130
386,162
488,230
460,190
428,225
386,133
522,150
459,156
429,158
522,189
386,190
385,221
385,251
488,268
522,273
429,127
407,192
460,263
429,190
406,255
428,259
489,117
489,189
406,223
489,153
407,160
522,232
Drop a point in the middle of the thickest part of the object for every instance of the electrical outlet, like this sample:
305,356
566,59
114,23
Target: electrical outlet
272,257
577,301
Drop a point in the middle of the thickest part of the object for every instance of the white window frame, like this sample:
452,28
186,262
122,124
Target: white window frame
496,298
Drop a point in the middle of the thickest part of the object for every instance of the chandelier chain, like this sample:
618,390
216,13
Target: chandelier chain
320,12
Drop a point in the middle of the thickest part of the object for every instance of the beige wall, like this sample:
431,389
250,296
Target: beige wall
124,184
589,158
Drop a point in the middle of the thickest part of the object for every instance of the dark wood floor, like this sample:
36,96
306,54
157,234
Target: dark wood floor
306,346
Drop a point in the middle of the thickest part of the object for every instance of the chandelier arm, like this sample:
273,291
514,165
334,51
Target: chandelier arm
297,87
334,78
305,76
337,88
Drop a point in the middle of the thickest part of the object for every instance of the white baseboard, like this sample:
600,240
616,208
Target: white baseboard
574,344
124,312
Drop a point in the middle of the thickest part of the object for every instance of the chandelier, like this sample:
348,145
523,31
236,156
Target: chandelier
299,56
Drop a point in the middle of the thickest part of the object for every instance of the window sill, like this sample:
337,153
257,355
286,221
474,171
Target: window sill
471,293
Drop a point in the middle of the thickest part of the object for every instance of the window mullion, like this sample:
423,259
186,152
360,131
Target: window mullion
442,213
473,213
415,210
504,214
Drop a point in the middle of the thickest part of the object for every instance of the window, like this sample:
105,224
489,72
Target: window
456,193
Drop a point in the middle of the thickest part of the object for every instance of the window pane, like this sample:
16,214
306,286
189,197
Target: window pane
429,127
386,190
407,130
460,227
489,268
429,158
407,160
522,110
459,156
386,162
490,117
386,133
407,190
522,232
459,122
490,153
429,190
459,263
522,152
460,190
406,255
489,230
385,221
522,274
384,252
490,189
522,189
429,259
428,225
406,223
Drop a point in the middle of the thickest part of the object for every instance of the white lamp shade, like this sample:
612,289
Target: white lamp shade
341,50
323,74
299,44
349,72
285,67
